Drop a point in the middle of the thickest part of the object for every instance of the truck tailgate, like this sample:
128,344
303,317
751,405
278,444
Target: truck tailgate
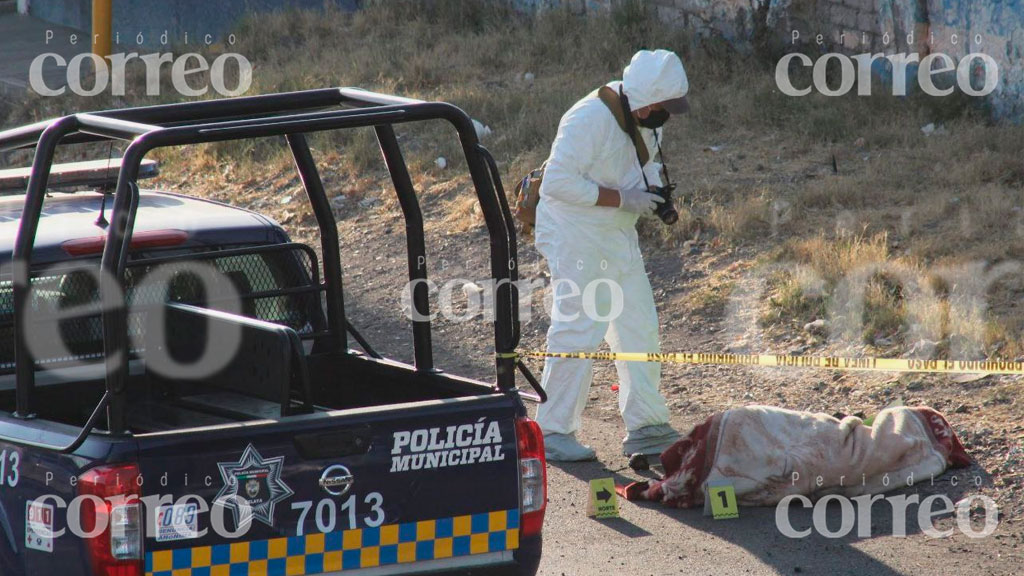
433,482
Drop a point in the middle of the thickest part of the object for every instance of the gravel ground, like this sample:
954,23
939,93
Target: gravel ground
983,411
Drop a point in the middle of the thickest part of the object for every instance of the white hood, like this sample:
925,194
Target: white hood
654,77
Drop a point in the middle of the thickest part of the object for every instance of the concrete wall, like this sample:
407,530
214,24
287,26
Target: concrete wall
151,18
733,20
859,26
852,26
999,24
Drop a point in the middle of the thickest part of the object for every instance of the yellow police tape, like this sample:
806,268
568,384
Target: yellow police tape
787,361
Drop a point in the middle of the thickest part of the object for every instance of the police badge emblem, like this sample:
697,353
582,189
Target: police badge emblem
252,487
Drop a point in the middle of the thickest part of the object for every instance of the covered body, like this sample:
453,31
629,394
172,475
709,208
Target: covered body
768,453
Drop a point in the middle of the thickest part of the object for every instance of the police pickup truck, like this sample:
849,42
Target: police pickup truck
178,393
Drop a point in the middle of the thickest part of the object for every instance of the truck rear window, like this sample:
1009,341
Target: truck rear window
278,284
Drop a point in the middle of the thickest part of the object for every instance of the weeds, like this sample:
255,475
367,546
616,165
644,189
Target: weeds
839,185
710,299
792,299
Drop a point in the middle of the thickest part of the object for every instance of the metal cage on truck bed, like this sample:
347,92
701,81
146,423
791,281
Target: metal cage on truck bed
291,115
277,283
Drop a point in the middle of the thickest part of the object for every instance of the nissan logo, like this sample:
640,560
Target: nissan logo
336,480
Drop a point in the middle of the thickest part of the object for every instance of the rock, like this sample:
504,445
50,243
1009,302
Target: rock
915,385
639,462
339,202
441,162
818,326
368,202
965,378
928,129
923,347
473,291
738,347
528,77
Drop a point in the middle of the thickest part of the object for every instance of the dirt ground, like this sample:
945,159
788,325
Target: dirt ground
828,184
984,411
991,430
649,539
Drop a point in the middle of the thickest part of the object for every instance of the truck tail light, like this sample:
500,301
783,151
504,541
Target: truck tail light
533,479
117,549
140,241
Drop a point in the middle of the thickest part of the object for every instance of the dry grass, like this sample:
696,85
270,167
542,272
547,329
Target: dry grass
837,257
710,298
832,187
794,298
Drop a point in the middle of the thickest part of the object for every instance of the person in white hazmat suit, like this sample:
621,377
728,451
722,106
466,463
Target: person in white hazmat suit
591,196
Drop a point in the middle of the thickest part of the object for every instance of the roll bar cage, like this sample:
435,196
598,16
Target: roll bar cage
291,115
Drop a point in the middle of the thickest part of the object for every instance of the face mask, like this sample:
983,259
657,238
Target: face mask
656,119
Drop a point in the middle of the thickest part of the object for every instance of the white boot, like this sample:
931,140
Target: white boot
565,448
649,440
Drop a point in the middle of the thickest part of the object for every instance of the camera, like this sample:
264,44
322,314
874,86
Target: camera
666,210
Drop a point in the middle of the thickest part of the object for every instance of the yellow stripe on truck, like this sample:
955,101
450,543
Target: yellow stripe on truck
345,549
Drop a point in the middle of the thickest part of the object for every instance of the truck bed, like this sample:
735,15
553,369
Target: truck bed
212,409
338,382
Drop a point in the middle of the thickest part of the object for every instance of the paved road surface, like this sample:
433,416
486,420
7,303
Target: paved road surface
651,540
648,539
22,39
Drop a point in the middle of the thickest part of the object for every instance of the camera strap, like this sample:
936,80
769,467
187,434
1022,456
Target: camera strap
618,105
634,134
661,157
624,119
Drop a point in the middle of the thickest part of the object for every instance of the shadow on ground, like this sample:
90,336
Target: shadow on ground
757,530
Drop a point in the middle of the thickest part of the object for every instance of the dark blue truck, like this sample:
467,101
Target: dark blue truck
178,393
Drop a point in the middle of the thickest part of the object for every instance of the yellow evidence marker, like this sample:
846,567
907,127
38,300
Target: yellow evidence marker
722,500
604,502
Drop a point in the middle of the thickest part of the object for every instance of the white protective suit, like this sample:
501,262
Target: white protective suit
589,245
